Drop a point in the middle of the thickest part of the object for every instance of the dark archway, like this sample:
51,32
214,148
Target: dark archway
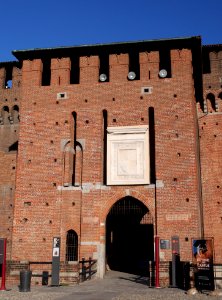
129,237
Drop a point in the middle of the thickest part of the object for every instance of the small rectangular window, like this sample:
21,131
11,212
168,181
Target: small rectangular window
146,90
61,96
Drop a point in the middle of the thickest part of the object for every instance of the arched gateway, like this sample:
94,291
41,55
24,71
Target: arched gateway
129,236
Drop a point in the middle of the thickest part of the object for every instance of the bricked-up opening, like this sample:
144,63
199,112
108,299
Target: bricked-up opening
5,115
105,120
74,72
104,65
165,61
74,116
211,98
67,163
152,145
46,71
129,237
15,114
134,65
71,246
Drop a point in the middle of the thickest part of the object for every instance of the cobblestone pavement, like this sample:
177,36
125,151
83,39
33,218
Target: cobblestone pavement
115,286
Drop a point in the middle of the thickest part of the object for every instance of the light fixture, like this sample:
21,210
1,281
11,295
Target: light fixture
163,73
131,75
102,77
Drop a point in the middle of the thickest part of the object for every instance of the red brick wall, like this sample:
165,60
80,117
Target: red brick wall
42,210
9,130
210,128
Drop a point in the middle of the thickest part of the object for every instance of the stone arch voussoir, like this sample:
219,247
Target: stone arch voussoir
119,195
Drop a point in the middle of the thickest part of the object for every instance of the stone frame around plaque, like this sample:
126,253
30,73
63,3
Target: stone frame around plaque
128,155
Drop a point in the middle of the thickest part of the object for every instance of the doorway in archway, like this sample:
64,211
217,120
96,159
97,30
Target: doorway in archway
129,237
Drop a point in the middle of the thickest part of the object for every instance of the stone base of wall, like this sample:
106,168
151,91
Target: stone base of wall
185,272
218,275
13,269
69,272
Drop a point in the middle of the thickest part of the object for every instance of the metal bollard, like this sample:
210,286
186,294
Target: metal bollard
25,281
150,273
45,278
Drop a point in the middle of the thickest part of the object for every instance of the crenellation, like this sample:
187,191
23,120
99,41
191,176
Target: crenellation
89,69
2,77
119,67
60,71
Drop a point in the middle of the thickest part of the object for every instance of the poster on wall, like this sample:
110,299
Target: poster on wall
202,252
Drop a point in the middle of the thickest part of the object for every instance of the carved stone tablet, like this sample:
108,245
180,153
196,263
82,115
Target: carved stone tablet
127,155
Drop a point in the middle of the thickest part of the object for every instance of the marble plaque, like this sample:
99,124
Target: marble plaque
127,155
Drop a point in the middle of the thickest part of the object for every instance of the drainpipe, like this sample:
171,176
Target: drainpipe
3,288
198,86
199,174
153,179
157,245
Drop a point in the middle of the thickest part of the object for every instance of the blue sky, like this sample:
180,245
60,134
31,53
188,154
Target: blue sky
28,24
